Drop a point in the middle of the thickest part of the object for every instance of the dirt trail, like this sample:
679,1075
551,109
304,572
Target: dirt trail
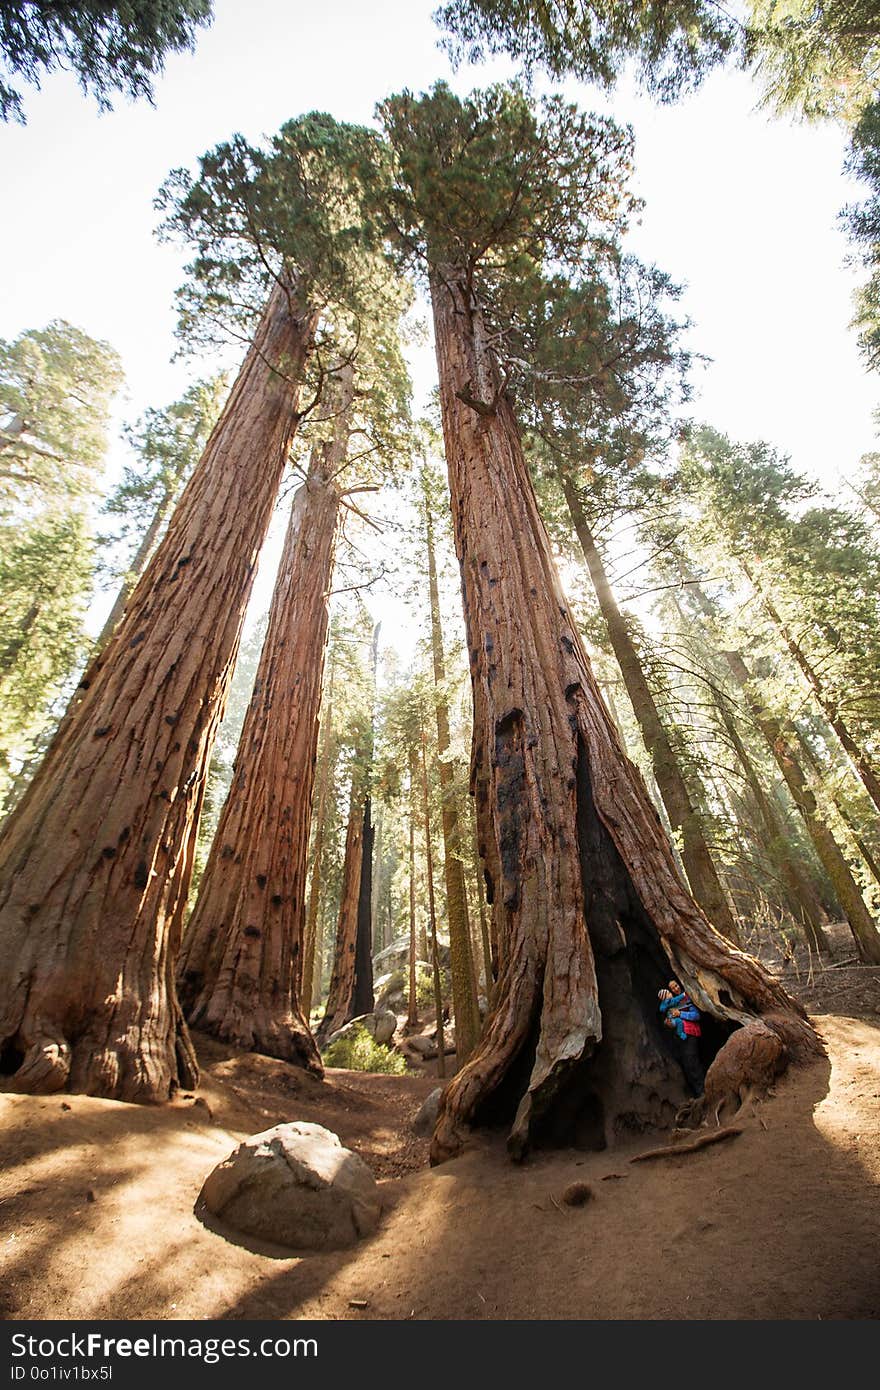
783,1222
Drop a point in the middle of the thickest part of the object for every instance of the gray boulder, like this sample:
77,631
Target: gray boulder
426,1116
381,1025
396,956
295,1185
391,985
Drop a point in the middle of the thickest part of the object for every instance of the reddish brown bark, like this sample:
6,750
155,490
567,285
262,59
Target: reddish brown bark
96,860
310,988
432,915
239,965
339,995
589,907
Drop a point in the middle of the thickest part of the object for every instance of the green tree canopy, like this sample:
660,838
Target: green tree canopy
293,212
111,48
672,41
56,385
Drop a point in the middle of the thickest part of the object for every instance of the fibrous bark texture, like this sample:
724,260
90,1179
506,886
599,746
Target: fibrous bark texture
590,910
96,860
239,965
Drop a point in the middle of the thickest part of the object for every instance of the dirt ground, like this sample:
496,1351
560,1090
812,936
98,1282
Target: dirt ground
782,1222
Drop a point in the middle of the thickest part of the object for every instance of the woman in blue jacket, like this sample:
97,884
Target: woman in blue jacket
682,1016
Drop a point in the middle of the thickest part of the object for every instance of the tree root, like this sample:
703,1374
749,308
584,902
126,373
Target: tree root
44,1070
714,1136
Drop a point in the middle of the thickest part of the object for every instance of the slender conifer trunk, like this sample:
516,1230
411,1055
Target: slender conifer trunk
95,862
864,769
412,1015
432,915
464,989
702,874
862,926
363,997
340,993
804,901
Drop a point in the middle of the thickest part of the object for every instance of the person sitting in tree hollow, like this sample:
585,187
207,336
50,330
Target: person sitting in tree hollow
683,1017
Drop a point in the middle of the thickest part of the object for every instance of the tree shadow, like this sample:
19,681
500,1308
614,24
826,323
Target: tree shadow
780,1223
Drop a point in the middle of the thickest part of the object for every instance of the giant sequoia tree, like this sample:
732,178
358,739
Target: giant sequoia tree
589,909
97,857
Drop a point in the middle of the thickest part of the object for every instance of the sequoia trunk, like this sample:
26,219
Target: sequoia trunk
590,912
96,860
239,967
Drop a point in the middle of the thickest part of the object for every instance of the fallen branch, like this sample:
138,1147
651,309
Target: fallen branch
714,1136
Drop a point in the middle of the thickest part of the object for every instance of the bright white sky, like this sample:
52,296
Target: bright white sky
741,208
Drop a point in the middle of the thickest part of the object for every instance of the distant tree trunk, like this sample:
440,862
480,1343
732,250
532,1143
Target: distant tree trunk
803,899
490,961
432,914
378,879
311,973
412,1016
239,965
96,859
831,857
845,815
702,874
363,997
591,912
857,754
464,989
341,991
15,646
862,845
135,570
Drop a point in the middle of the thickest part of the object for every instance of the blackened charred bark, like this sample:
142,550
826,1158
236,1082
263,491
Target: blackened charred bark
362,998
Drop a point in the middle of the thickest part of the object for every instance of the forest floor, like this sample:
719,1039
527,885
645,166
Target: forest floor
783,1222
